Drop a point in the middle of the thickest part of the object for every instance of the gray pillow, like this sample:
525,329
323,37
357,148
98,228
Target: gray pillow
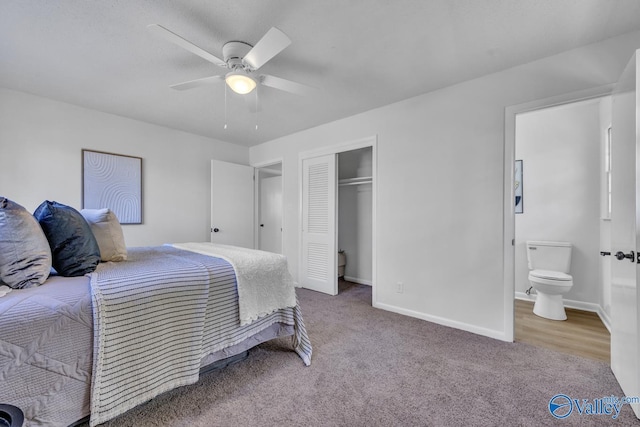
25,257
74,249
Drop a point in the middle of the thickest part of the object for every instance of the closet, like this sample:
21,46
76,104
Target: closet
355,207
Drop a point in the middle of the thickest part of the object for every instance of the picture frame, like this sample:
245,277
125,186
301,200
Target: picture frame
113,181
519,201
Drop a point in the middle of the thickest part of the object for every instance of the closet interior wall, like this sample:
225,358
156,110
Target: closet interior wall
355,215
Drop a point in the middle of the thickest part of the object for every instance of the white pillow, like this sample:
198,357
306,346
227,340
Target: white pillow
108,232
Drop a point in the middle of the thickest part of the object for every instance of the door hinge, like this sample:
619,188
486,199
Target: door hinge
513,242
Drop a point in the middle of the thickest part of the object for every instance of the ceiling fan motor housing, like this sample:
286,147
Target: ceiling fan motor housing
233,52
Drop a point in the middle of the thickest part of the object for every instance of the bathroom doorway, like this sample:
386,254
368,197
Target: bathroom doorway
560,153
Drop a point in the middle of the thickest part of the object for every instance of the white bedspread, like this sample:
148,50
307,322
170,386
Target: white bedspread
264,282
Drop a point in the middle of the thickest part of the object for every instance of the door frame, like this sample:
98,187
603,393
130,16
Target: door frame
256,200
370,141
509,223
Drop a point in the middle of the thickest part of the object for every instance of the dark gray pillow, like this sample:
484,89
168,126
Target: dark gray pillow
25,257
74,249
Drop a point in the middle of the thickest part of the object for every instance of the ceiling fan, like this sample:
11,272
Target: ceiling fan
242,59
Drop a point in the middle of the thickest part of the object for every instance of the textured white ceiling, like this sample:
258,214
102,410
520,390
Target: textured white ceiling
360,54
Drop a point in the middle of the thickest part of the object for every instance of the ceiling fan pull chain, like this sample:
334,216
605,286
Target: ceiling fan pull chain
257,112
225,106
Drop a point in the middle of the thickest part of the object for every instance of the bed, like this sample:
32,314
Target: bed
105,342
47,338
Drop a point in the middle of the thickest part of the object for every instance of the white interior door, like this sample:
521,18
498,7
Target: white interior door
319,251
270,231
624,234
232,212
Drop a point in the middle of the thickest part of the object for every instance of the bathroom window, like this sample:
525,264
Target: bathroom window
607,170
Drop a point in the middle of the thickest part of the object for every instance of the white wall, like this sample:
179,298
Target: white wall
440,183
40,154
560,149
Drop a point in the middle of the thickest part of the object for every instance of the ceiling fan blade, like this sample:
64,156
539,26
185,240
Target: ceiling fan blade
286,85
185,44
271,44
198,82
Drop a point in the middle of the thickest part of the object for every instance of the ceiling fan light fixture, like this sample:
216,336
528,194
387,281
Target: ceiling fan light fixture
240,82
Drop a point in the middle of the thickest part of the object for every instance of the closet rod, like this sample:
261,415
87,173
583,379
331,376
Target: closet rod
356,181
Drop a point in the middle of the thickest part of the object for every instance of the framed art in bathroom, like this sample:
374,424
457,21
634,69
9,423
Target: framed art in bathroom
518,187
113,181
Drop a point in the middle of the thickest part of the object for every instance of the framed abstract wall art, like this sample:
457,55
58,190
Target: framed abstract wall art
113,181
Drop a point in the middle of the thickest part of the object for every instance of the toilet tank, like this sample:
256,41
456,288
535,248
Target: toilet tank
554,256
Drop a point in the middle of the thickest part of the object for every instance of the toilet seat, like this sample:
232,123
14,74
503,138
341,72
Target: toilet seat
550,275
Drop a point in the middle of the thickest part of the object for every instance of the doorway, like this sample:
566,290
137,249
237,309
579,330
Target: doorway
319,196
508,242
269,208
355,226
559,154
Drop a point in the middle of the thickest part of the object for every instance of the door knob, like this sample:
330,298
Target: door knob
215,230
621,255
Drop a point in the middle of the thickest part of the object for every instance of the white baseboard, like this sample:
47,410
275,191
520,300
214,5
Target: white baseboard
499,335
523,296
578,305
605,319
357,280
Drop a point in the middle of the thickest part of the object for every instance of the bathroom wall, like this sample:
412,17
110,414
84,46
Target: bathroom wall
561,151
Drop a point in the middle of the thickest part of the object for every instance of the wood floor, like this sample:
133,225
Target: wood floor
582,334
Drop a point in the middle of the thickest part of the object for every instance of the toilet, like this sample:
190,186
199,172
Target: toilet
549,267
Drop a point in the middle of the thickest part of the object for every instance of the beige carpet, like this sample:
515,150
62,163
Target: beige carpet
372,367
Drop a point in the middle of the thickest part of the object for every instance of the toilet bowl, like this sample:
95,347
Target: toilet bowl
549,264
550,286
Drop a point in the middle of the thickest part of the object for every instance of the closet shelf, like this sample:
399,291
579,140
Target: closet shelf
356,181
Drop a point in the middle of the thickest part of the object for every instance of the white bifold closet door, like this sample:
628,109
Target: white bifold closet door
319,251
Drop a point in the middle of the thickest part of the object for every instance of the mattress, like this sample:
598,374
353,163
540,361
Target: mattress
46,343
